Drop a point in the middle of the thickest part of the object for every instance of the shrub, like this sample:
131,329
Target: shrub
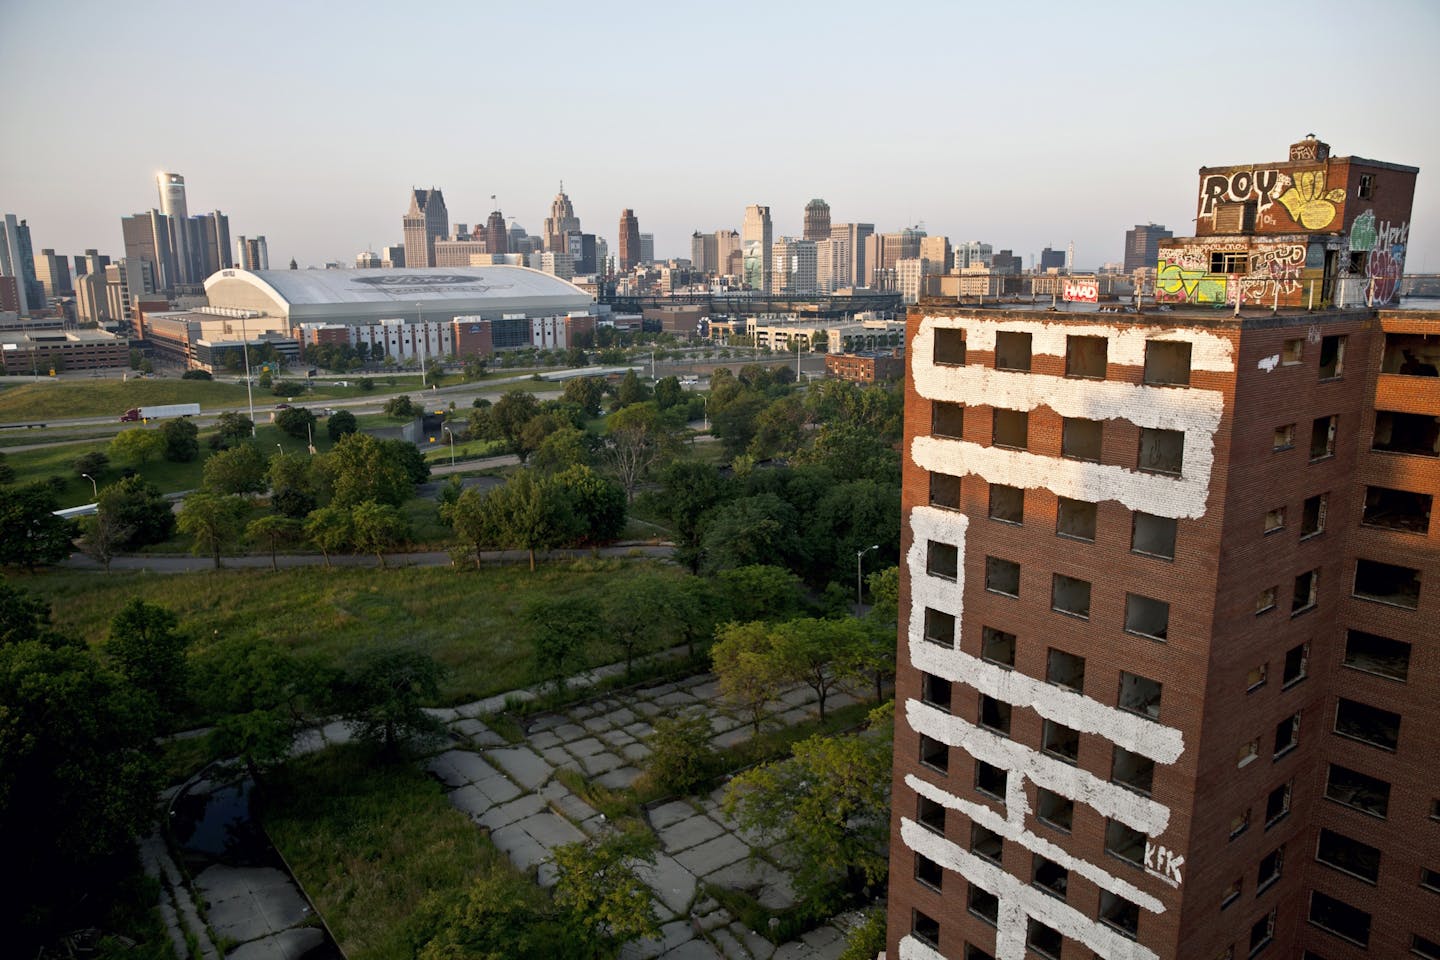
681,758
196,375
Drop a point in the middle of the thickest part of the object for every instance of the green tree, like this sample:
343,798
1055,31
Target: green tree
597,502
341,423
760,592
378,527
238,470
586,393
138,445
476,522
182,442
524,514
752,530
779,429
562,447
294,485
599,890
366,385
360,469
383,700
149,651
197,374
811,651
749,673
297,422
409,457
641,616
637,438
401,407
25,618
561,629
259,692
30,532
631,390
668,392
867,938
681,758
94,463
134,504
232,429
511,412
331,529
214,521
272,532
501,916
829,804
690,488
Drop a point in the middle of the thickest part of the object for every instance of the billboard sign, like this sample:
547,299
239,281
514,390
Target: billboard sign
1082,291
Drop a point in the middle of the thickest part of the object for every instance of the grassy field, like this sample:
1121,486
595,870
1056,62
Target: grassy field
470,620
106,397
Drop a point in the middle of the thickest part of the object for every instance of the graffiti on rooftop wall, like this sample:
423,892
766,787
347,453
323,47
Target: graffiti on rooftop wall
1309,203
1242,185
1383,244
1179,283
1186,275
1362,233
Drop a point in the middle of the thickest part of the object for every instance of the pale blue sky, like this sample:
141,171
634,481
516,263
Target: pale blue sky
1022,125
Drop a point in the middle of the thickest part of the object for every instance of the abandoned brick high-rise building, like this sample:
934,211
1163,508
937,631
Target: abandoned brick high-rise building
1170,600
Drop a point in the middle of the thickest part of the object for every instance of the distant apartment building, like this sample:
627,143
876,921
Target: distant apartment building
868,367
938,251
1051,260
832,265
458,253
1142,246
910,274
367,260
972,254
855,236
793,267
425,222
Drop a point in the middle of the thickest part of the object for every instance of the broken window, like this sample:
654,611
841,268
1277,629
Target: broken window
1417,434
947,419
1322,438
986,843
1339,918
983,904
942,560
1060,741
928,872
1055,809
1231,261
1265,599
1146,616
930,814
1430,879
935,691
1011,428
1270,866
1167,363
1132,770
944,491
1046,941
1287,734
1139,695
1360,721
925,929
1397,509
1161,451
1255,679
1424,947
1277,804
1086,357
1232,893
1381,656
1081,439
1119,914
1239,823
1332,357
1049,876
949,346
1285,437
1248,753
1075,519
973,952
995,715
1065,670
990,780
1002,576
1348,856
1387,583
934,754
1411,355
1358,790
1297,662
939,628
1365,190
1274,520
1124,842
1262,932
1069,595
1012,350
1007,504
1312,515
1152,535
1307,592
997,646
1293,352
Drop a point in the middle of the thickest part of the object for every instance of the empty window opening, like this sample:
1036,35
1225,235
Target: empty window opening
1239,823
1132,770
928,872
1339,918
1287,734
947,419
1065,670
1417,434
1007,504
1146,616
1270,867
939,628
1139,695
1081,439
1167,362
1086,357
983,904
934,754
1332,357
1297,663
1411,355
1265,599
1123,842
1049,876
1231,261
1002,576
944,491
995,715
1262,932
1274,520
1397,509
1012,351
1044,940
997,646
1061,741
1011,429
1381,656
1248,753
1312,515
990,780
1424,947
1360,721
1075,519
930,815
949,346
1358,790
1277,804
986,843
1322,438
1387,583
1293,352
1348,855
1255,679
935,691
1232,892
1069,595
1365,189
1120,914
1161,451
942,560
925,929
1285,437
973,952
1307,592
1055,809
1430,879
1153,536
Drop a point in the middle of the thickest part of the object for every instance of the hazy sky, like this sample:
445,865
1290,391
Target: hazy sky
1019,124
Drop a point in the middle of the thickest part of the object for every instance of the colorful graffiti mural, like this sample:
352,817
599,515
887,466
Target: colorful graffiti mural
1383,245
1260,185
1271,271
1309,203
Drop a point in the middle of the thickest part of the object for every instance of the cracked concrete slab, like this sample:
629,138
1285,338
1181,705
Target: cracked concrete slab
247,903
688,833
523,766
551,831
619,779
670,813
672,883
512,812
600,763
523,850
712,855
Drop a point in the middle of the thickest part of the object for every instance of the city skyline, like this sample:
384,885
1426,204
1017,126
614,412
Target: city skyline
310,156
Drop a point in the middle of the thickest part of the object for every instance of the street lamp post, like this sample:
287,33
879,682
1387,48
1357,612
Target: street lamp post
249,391
452,444
859,557
93,487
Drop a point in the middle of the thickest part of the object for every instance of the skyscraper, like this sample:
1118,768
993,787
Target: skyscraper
1051,259
497,237
727,253
793,262
171,187
937,251
252,253
17,259
702,252
647,248
147,237
1142,245
855,235
562,220
53,272
817,220
629,240
426,222
756,242
832,264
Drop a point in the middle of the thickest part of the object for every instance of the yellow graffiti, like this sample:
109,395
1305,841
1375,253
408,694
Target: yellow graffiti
1181,284
1309,203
